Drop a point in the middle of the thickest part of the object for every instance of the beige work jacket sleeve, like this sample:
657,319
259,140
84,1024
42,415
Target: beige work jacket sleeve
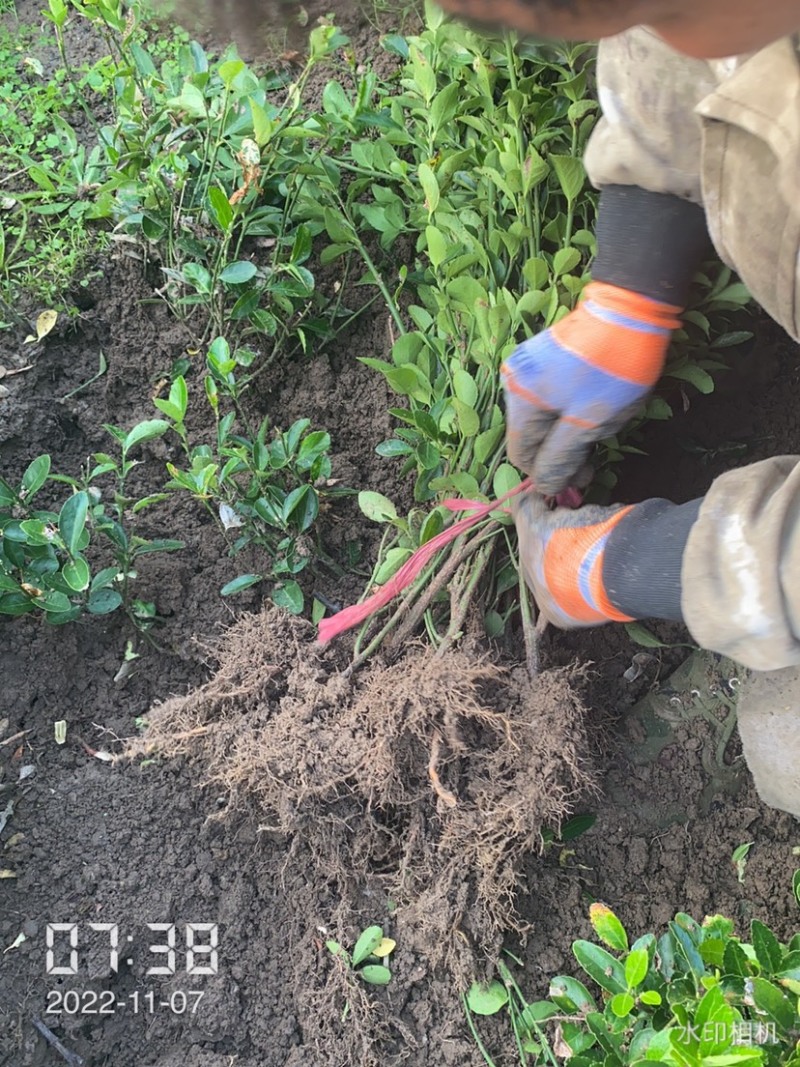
649,135
741,566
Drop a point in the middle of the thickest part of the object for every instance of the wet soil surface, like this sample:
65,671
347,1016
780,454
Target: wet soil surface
230,890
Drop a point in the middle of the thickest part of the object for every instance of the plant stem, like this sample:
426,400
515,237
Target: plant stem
475,1035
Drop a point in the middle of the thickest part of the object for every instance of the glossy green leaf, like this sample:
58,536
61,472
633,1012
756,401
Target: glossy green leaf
76,574
376,506
289,596
601,966
636,967
622,1005
72,520
651,997
238,585
571,175
375,974
34,477
487,999
239,273
608,927
103,601
780,1008
766,947
144,431
366,944
571,995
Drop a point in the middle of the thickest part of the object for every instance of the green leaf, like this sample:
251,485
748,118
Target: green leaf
469,422
238,585
658,409
220,208
608,927
576,826
780,1009
565,260
601,966
650,997
72,520
103,601
506,478
394,560
734,960
430,187
376,506
640,635
144,431
54,602
179,397
622,1005
34,477
766,947
239,273
16,604
636,966
696,376
375,974
465,387
571,175
796,886
366,944
229,71
144,63
487,999
289,596
570,995
76,574
301,507
688,949
198,277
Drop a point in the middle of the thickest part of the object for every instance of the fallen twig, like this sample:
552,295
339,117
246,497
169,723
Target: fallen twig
14,737
72,1058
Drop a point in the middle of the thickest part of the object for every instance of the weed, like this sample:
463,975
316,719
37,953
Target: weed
695,996
369,955
739,859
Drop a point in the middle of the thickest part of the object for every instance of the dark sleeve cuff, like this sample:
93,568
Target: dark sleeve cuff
650,243
643,558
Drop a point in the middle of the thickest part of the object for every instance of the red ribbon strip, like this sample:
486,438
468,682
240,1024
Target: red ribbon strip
411,569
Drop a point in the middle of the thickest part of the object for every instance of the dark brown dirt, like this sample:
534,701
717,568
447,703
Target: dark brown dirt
240,829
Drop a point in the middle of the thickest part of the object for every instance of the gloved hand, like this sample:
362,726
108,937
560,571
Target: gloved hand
582,379
595,564
561,554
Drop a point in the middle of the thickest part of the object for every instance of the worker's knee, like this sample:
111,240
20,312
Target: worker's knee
769,725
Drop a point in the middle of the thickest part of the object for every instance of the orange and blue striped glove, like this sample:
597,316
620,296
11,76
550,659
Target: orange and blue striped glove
582,380
595,564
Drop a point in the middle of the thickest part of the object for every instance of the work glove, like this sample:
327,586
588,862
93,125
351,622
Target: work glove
603,564
582,380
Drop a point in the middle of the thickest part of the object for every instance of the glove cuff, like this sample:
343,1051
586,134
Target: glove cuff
650,243
643,558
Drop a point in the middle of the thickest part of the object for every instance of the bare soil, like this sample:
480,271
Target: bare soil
287,804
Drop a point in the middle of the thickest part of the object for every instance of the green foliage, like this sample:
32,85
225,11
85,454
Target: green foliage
47,555
267,486
368,958
697,996
204,169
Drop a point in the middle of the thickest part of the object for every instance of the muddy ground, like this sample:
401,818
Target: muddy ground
92,842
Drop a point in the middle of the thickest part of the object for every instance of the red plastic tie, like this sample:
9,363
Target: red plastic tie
348,618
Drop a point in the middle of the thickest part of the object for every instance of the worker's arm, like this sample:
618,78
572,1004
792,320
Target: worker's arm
728,564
